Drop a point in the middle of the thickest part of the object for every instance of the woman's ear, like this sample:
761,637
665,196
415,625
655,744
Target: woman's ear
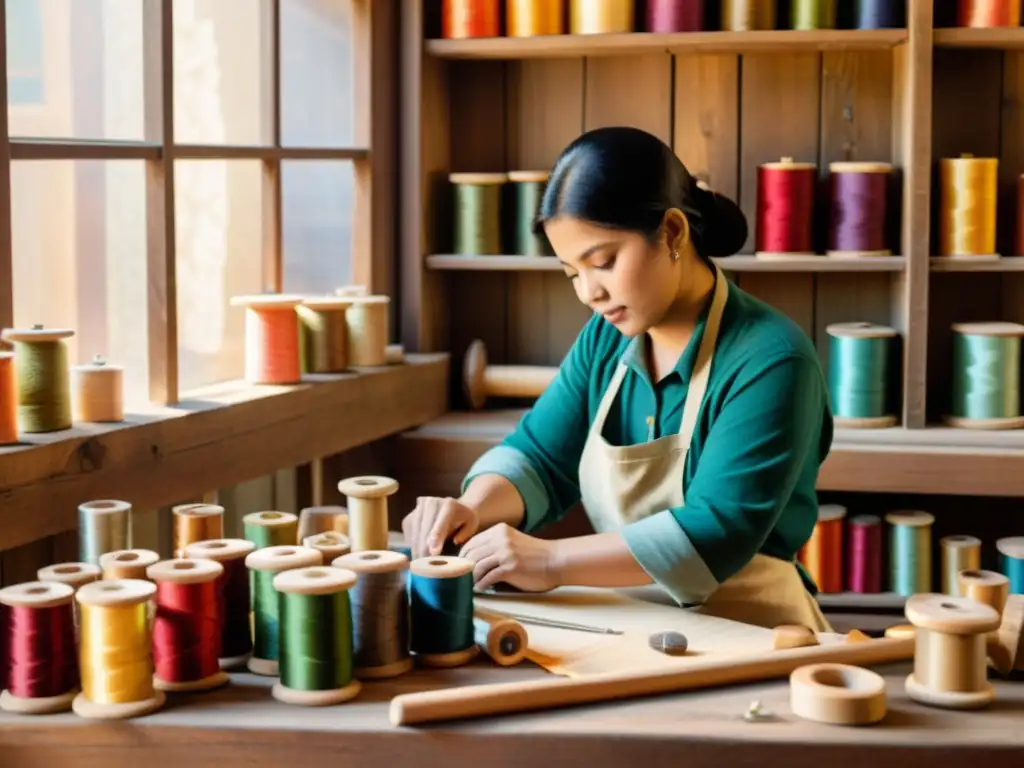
677,230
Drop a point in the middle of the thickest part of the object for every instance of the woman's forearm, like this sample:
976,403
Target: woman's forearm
495,499
597,560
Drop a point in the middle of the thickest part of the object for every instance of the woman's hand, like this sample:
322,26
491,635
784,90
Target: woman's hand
504,554
435,520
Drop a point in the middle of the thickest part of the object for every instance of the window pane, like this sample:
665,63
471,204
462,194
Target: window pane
316,222
79,243
218,226
316,73
85,85
221,72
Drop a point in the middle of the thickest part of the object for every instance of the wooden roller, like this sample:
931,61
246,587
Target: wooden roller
554,692
481,380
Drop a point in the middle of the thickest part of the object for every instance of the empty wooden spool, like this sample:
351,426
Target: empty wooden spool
839,694
367,510
992,588
481,380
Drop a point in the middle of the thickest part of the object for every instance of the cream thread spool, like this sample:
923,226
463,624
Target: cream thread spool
993,589
950,659
505,641
839,694
127,563
320,519
368,331
103,526
97,392
368,510
330,544
959,553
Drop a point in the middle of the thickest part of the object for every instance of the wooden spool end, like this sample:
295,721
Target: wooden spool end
504,641
1006,645
127,563
839,694
35,334
72,574
368,487
474,364
793,636
220,550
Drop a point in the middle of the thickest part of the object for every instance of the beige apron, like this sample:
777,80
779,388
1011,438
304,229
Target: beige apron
621,484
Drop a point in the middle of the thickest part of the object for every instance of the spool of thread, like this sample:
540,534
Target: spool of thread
127,563
1011,561
601,17
879,14
316,636
481,380
196,522
1018,241
968,192
368,510
115,650
823,552
271,338
39,646
351,290
993,589
813,14
785,209
748,15
368,331
910,552
264,564
859,374
530,18
986,376
321,519
330,544
950,661
441,611
674,16
97,391
42,378
186,625
529,189
323,325
234,596
958,553
504,640
103,526
470,18
988,13
75,575
380,612
395,354
271,529
477,226
8,400
859,205
865,555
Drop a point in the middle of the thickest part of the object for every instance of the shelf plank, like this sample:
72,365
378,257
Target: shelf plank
1005,264
620,44
731,264
1000,38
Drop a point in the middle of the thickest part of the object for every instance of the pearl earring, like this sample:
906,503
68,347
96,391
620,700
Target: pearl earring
675,255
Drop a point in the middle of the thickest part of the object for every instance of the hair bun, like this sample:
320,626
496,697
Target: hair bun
724,225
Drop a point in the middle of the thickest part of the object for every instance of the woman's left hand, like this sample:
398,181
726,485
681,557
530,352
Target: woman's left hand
504,554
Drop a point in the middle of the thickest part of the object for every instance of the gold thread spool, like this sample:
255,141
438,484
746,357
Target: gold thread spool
959,553
505,641
8,400
530,18
601,17
950,658
368,510
368,331
127,564
97,392
968,191
196,522
330,544
116,650
323,322
323,518
43,378
748,15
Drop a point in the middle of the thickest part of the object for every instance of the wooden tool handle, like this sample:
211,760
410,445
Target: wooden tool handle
553,692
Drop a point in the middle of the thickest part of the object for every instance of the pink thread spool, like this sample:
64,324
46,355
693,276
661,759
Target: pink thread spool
674,16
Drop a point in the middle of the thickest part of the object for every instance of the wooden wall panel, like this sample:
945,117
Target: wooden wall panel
631,90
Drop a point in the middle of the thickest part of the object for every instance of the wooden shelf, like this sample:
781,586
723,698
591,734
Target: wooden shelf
742,263
562,46
1000,38
1005,264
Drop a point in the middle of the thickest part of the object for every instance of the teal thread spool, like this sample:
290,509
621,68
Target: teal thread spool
264,564
860,374
315,661
477,212
986,376
910,552
441,611
529,189
1011,562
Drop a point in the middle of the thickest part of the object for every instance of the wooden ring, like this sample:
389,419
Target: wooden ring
840,694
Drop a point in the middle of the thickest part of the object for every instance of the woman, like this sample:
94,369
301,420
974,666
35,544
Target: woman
689,417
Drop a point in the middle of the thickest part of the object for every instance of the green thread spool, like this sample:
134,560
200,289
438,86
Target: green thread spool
529,190
271,529
441,611
478,212
813,14
264,564
43,378
323,331
859,374
910,552
986,376
1011,562
315,662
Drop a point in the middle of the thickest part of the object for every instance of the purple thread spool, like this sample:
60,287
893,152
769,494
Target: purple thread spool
674,16
859,205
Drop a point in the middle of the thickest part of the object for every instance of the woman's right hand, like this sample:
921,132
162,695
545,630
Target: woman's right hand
434,521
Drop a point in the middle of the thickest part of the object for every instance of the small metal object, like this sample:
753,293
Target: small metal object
756,713
669,642
542,622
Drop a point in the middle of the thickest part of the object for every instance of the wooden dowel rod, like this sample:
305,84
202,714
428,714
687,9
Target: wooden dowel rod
555,692
481,380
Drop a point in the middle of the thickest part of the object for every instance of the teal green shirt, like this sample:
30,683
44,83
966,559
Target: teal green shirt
762,432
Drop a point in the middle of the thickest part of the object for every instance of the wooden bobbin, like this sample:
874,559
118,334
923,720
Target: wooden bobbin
993,589
900,631
504,640
313,520
480,380
368,510
127,563
73,574
950,664
793,636
1008,647
839,694
97,391
330,544
368,330
395,354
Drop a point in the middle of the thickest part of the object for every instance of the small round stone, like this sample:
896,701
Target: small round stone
669,642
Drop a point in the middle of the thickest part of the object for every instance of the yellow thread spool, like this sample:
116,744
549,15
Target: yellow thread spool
116,650
43,378
368,330
968,191
747,15
323,322
529,18
97,391
127,563
368,510
959,553
601,17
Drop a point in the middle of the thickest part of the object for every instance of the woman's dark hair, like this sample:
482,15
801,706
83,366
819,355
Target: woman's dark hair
625,178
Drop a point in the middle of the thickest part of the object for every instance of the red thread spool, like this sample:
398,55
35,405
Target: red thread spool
865,555
785,209
186,625
471,18
674,16
859,205
271,338
42,660
233,596
823,552
1019,240
988,13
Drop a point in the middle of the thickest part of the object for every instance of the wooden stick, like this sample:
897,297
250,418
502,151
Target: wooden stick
481,380
553,692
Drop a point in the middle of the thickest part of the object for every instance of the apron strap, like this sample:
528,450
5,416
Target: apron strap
702,365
